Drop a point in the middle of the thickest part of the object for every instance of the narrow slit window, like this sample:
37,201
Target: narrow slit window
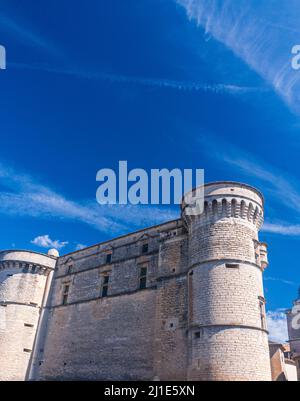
143,278
108,257
262,310
70,267
145,248
65,294
104,289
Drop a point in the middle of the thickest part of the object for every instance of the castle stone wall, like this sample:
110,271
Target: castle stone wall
106,339
200,317
23,277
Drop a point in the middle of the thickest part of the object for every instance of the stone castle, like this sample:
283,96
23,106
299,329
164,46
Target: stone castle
182,300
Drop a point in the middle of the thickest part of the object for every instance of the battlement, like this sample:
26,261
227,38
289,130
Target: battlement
223,200
27,262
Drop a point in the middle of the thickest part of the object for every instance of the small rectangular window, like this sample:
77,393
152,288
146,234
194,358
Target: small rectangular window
232,265
198,334
108,257
262,309
70,267
26,350
28,325
143,278
104,289
145,248
65,294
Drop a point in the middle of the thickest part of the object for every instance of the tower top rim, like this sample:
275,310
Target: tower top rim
7,251
225,184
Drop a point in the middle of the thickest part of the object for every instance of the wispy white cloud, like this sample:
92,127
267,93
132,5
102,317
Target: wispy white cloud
25,34
255,34
78,247
21,195
281,280
185,86
282,188
277,326
284,229
44,241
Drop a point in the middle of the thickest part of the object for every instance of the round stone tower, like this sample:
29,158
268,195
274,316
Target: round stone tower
228,338
24,284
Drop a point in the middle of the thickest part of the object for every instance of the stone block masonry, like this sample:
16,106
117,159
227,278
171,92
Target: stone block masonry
179,301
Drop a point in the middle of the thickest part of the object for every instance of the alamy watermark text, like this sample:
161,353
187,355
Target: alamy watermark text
160,187
2,58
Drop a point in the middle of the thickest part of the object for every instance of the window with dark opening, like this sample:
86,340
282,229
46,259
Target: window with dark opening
232,265
145,248
143,278
70,267
65,294
262,309
108,257
104,289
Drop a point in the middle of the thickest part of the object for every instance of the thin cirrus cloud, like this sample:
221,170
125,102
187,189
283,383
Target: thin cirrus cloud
277,185
184,86
24,34
21,195
281,280
44,241
256,34
274,181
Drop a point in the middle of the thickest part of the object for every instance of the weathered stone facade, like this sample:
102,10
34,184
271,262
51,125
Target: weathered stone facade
179,301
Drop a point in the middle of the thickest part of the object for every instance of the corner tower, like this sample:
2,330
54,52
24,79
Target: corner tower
227,334
24,283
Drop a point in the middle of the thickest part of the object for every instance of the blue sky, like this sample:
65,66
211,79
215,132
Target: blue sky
162,84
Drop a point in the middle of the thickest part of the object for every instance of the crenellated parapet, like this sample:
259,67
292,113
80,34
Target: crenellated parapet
229,200
25,267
